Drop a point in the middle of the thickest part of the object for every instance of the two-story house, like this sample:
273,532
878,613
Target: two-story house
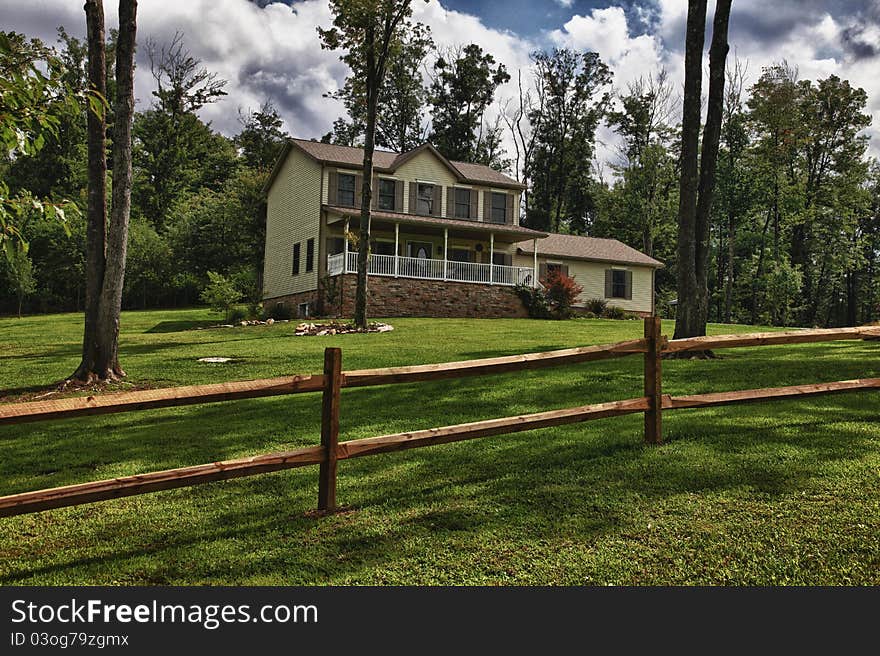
445,238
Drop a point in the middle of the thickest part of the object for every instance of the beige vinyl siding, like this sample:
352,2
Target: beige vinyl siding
425,167
293,216
591,276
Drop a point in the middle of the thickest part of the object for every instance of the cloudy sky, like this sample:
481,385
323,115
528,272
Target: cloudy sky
270,50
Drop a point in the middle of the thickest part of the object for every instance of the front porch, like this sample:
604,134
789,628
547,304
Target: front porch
426,269
434,249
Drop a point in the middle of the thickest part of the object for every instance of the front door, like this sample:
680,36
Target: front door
419,250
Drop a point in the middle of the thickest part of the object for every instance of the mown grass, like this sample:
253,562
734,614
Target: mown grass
770,493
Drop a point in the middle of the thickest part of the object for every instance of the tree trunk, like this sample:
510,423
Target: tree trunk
117,238
96,225
687,311
851,312
696,196
709,156
728,289
106,250
360,295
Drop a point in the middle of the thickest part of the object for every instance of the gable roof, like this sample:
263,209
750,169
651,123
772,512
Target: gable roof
387,161
588,248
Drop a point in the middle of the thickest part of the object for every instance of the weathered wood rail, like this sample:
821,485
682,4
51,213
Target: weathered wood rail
331,382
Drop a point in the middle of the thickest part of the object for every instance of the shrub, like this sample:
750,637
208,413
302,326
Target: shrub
254,310
535,300
562,291
596,306
220,294
236,315
278,312
587,315
614,312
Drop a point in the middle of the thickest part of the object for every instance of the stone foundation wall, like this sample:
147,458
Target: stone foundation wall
293,301
407,297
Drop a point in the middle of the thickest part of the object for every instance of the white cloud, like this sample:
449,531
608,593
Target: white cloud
275,53
606,31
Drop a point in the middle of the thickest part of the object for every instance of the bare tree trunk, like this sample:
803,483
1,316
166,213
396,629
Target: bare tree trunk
96,226
105,259
117,238
360,294
696,201
709,157
687,311
728,287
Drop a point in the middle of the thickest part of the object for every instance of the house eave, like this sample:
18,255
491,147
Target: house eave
656,265
513,231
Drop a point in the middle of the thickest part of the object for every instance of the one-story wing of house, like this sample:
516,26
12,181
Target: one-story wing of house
607,269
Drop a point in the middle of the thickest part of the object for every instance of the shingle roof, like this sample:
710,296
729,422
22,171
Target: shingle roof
345,155
413,219
589,248
386,160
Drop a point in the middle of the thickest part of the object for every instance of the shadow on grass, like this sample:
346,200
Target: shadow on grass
180,326
583,479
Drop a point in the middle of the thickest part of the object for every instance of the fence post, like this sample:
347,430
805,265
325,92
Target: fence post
653,381
330,428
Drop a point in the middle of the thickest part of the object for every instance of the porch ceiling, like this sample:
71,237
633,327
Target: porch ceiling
430,224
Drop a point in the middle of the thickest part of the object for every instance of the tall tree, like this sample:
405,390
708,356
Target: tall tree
176,151
561,164
647,168
697,185
733,183
367,30
400,109
106,247
261,138
464,85
524,123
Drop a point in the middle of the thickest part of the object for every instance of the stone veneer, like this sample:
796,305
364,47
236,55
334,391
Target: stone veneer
408,297
293,301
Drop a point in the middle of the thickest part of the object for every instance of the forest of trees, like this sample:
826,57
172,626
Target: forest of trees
197,202
795,224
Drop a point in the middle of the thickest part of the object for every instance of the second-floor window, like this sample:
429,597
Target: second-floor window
462,203
386,194
499,208
425,199
345,191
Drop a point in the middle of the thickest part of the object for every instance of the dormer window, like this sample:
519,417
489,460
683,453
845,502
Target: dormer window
387,190
425,199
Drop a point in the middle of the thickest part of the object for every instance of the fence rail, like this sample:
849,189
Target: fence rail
330,383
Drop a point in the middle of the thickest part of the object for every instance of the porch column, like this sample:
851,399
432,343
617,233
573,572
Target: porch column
445,248
491,257
396,249
345,249
534,263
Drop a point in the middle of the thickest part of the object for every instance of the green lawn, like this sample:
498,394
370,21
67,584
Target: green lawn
770,493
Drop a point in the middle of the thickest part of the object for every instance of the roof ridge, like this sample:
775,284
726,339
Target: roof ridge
323,143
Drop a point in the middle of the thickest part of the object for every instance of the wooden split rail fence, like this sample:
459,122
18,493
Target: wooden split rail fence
327,455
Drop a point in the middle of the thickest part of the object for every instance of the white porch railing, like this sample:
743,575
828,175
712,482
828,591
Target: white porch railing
424,269
334,264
